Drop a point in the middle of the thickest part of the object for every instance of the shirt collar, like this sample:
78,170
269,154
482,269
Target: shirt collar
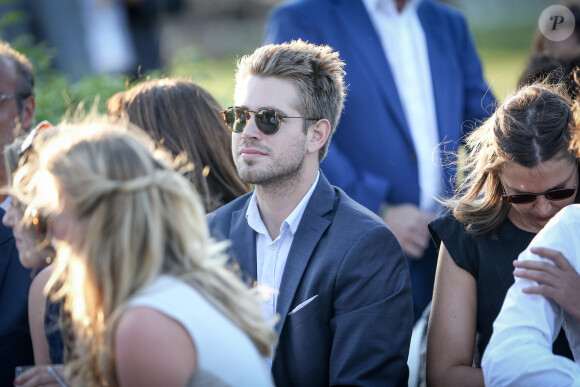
6,203
292,222
295,217
373,5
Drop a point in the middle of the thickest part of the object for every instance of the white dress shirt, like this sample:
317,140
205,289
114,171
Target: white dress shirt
6,203
271,254
520,350
405,47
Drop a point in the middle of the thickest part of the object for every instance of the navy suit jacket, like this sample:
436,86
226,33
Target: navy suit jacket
372,156
15,343
356,330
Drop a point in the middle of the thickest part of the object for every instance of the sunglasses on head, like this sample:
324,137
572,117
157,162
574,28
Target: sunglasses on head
27,143
267,120
553,194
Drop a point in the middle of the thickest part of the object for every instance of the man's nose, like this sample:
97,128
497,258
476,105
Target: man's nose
251,130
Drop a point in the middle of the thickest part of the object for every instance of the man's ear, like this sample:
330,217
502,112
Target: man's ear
318,134
27,117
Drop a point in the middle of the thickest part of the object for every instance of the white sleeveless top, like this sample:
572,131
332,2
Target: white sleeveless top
225,354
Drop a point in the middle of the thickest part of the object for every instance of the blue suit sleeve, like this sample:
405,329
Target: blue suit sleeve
368,189
373,318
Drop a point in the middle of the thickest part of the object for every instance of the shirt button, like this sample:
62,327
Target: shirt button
273,246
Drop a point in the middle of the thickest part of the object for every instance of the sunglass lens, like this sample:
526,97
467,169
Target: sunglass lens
560,194
241,120
521,198
268,121
236,119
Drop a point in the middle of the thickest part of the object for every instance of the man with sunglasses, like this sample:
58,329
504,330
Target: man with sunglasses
330,271
415,82
16,114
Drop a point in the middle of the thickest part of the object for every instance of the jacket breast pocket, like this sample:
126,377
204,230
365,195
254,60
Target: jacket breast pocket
300,314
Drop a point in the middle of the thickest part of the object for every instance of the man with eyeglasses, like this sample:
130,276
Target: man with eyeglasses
16,115
332,275
17,101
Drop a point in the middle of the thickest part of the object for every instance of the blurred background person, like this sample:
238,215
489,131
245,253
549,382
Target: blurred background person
16,114
415,81
95,36
122,36
518,174
184,118
17,101
35,253
543,45
554,67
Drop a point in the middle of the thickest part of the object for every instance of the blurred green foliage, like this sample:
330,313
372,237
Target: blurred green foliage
504,54
55,94
216,75
502,70
58,96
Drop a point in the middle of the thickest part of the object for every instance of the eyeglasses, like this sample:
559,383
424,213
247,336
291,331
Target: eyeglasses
267,120
4,97
27,143
553,194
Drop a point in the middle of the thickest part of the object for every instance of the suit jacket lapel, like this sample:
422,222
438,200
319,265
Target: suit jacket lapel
243,239
308,234
354,20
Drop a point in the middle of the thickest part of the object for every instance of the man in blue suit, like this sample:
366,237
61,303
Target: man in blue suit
415,84
330,269
16,112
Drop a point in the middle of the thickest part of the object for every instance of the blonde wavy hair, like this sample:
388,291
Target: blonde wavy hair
138,218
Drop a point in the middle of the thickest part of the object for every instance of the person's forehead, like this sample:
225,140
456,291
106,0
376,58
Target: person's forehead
254,91
542,177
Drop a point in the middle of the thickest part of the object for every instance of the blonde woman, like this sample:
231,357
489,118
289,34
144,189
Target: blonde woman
36,253
149,300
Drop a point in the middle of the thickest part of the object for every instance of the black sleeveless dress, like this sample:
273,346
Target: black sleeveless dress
53,332
489,260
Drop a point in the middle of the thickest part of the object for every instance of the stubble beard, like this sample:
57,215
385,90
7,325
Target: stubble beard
280,175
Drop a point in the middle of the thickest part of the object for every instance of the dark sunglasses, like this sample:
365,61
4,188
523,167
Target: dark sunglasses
267,120
553,194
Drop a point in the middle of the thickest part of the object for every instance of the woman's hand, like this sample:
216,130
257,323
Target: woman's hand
42,375
560,281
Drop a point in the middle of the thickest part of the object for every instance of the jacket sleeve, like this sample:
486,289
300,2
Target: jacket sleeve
373,315
520,350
